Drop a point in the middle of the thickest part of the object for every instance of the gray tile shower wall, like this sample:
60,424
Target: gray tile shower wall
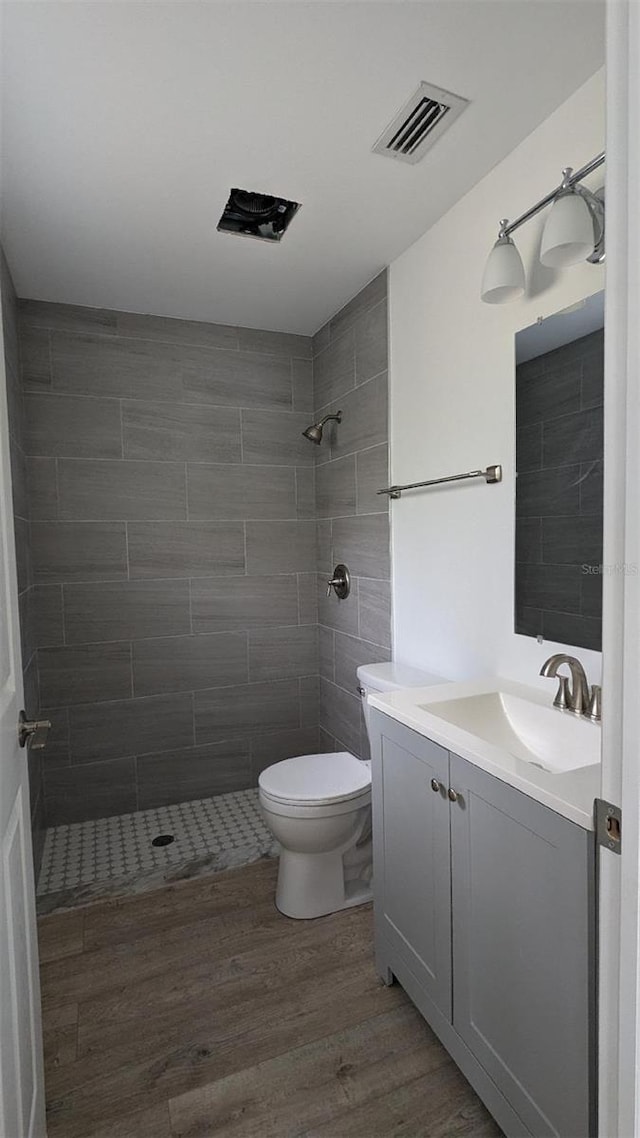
26,592
173,607
350,364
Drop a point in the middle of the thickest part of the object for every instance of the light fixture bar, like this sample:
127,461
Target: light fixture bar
575,176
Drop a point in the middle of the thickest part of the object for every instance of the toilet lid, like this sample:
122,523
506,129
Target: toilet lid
315,779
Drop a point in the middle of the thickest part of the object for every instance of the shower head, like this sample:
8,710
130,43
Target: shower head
314,432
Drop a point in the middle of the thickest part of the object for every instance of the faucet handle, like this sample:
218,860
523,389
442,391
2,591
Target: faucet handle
563,699
594,710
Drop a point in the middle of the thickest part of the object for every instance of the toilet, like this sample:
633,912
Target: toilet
318,807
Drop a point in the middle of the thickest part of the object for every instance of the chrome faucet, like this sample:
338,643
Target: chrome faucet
577,697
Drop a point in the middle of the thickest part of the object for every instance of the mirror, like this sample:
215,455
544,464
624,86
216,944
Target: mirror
559,472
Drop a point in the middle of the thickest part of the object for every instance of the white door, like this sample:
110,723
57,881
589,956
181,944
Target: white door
21,1074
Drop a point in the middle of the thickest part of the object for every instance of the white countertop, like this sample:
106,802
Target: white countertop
570,793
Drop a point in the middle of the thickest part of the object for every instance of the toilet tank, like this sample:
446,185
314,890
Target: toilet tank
391,677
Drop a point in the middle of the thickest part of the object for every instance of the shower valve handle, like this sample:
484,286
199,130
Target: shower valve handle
340,582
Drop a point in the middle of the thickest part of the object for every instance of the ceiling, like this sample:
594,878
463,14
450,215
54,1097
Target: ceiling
126,124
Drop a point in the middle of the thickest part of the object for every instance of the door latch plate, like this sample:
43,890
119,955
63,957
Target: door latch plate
608,819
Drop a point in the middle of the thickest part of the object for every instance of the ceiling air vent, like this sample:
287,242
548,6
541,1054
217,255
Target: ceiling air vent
420,122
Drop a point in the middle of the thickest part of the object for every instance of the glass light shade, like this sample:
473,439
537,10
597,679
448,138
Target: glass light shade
503,277
568,235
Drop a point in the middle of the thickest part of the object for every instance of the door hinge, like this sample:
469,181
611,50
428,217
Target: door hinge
608,819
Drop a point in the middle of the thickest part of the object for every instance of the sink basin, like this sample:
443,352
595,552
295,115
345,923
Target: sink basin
552,740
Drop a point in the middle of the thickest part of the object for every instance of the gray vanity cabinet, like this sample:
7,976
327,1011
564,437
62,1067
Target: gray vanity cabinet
413,832
484,911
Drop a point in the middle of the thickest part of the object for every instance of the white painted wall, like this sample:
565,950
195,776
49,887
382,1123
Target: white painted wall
453,408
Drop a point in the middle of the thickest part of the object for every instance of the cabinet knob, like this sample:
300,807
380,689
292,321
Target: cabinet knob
452,794
435,785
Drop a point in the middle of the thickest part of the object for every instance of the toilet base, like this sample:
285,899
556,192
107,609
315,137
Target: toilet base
313,885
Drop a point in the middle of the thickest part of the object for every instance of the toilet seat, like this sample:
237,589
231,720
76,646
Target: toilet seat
317,780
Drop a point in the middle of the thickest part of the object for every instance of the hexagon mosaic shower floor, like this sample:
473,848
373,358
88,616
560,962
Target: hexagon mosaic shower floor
86,860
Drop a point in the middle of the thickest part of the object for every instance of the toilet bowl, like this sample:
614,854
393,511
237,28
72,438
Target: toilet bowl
318,807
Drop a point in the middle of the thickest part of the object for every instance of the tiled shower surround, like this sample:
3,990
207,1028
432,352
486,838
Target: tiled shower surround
350,361
175,568
19,486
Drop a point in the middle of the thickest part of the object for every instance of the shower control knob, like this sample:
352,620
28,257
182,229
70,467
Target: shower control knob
340,583
33,732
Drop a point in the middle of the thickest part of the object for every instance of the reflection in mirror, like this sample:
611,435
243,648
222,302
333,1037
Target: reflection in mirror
559,471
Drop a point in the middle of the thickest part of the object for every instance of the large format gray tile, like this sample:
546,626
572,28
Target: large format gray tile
309,691
547,394
186,663
375,611
543,493
75,794
364,418
131,727
306,491
78,551
111,366
19,480
362,543
275,438
340,715
371,342
274,343
35,358
239,603
15,404
281,547
193,772
126,610
275,746
573,438
350,653
168,330
180,431
186,549
121,491
303,386
372,474
336,487
367,298
326,648
219,491
67,317
42,482
22,531
85,673
307,598
45,616
239,379
73,427
572,541
236,713
552,587
324,551
334,370
283,653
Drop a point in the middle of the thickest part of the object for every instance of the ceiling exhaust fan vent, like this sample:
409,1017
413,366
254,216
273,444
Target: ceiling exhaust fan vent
419,123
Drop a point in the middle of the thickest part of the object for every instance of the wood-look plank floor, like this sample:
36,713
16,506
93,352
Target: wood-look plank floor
199,1010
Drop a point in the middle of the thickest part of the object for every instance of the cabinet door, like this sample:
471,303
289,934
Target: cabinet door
523,942
412,863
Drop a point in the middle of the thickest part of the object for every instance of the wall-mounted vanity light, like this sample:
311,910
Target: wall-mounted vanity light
573,232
